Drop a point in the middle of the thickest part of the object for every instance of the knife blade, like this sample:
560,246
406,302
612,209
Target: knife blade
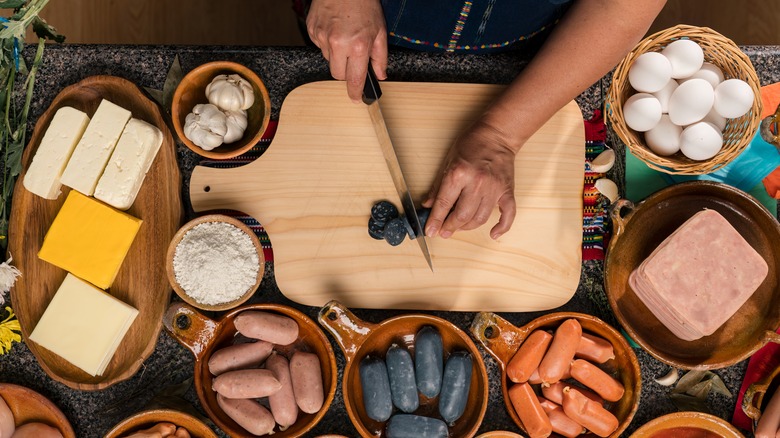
371,95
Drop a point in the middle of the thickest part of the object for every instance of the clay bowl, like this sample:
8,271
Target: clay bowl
499,434
146,419
664,427
192,91
29,406
203,336
758,394
180,235
502,340
359,338
645,226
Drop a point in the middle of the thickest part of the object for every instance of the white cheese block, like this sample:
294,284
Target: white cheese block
84,325
95,147
131,160
64,132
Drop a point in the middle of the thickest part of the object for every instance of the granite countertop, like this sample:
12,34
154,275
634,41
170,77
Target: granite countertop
92,414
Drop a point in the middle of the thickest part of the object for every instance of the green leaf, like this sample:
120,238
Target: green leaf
701,389
718,387
172,81
688,381
157,95
46,31
686,402
11,4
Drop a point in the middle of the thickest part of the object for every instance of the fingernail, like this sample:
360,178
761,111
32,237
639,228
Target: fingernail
446,234
431,231
495,236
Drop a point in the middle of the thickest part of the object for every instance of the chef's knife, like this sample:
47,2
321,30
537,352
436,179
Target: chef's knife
371,95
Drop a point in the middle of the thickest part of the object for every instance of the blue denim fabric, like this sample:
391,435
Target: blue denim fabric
481,26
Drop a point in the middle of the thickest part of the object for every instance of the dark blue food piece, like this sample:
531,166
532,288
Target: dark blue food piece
376,389
428,361
400,370
383,211
376,229
415,426
395,231
455,386
422,214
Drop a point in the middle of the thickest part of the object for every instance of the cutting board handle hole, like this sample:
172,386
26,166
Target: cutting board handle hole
183,322
207,189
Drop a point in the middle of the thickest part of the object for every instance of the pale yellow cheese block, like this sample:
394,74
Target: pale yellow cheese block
64,132
127,168
95,147
84,325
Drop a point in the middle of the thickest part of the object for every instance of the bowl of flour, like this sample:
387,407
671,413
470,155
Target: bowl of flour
215,262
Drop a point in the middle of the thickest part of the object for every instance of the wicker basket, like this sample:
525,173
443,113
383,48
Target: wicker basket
718,50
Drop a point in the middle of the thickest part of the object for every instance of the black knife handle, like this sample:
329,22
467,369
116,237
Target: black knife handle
371,90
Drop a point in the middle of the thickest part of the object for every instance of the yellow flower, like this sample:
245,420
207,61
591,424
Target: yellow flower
10,332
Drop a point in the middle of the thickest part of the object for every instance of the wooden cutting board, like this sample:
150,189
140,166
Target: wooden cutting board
313,190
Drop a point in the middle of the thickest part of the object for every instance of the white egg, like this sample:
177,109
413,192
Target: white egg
691,101
733,98
716,119
665,93
685,56
664,138
701,141
650,72
709,72
642,111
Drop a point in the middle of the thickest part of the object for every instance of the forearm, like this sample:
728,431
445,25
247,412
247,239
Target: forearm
590,40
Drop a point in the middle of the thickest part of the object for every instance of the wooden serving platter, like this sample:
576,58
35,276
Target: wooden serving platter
314,187
141,281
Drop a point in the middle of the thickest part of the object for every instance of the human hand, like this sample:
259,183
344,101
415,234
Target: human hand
478,173
350,33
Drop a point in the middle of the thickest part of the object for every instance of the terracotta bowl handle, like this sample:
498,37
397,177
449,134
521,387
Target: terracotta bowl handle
771,336
751,399
618,220
499,337
189,327
348,330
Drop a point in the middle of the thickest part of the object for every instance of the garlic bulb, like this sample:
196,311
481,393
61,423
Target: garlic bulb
206,126
236,125
230,93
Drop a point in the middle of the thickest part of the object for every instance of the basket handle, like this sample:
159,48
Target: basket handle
769,129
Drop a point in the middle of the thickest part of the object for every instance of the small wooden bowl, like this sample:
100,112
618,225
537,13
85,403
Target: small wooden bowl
359,339
192,91
645,226
146,419
758,394
502,340
203,336
694,420
29,406
180,235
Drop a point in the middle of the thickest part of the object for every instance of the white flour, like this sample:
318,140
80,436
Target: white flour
215,263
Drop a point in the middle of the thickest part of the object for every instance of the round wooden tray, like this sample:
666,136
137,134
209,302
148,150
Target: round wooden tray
141,281
29,406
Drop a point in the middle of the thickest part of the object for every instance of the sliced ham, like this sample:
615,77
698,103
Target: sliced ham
699,276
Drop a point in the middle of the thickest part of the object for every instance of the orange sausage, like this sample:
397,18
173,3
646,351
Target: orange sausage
528,356
561,351
596,379
594,349
535,421
554,393
561,423
588,413
536,380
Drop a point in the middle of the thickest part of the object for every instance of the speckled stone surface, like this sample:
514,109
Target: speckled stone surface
92,414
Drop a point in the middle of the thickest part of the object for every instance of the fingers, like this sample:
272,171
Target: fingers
356,69
508,208
440,207
379,56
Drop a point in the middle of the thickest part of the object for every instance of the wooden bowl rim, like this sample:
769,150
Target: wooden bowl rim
679,189
152,416
261,98
177,238
702,420
22,394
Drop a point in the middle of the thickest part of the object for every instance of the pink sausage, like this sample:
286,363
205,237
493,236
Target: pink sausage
266,326
38,430
306,376
239,356
252,383
283,405
249,414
